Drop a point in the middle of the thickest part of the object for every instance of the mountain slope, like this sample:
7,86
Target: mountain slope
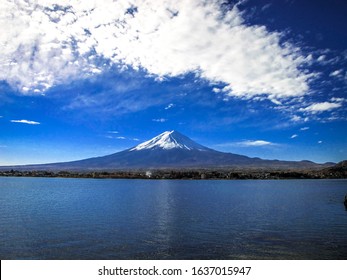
170,149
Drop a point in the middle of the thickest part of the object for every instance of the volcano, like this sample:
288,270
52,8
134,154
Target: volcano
170,150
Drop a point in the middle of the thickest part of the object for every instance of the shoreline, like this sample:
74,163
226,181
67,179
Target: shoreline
184,174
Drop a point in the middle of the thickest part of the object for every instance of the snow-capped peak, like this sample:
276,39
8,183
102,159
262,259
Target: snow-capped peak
170,140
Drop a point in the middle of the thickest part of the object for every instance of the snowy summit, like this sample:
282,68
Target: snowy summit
170,140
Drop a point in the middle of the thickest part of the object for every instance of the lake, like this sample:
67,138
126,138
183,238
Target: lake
55,218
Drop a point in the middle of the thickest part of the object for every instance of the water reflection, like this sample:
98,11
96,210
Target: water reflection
163,207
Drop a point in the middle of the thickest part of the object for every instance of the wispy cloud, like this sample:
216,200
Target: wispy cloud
257,143
304,128
337,73
267,6
116,137
159,120
338,99
109,101
25,122
294,136
296,118
169,106
121,138
167,39
321,107
248,143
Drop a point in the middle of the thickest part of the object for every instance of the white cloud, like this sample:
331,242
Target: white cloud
248,143
49,42
275,101
320,142
121,137
113,132
296,118
265,7
294,136
169,106
321,107
159,120
338,99
256,143
38,45
304,128
336,73
25,122
321,58
116,137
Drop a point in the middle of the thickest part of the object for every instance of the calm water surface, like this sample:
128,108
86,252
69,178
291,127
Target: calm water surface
53,218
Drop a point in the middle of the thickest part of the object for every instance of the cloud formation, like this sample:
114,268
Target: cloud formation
255,143
159,120
248,143
321,107
49,42
25,122
169,106
120,137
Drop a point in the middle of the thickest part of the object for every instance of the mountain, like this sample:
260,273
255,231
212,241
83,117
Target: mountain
170,150
339,170
170,140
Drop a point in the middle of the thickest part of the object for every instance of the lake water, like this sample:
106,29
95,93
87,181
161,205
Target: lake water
53,218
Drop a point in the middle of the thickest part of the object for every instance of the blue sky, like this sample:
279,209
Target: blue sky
261,78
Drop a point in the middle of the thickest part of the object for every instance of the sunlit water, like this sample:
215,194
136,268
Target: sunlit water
52,218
